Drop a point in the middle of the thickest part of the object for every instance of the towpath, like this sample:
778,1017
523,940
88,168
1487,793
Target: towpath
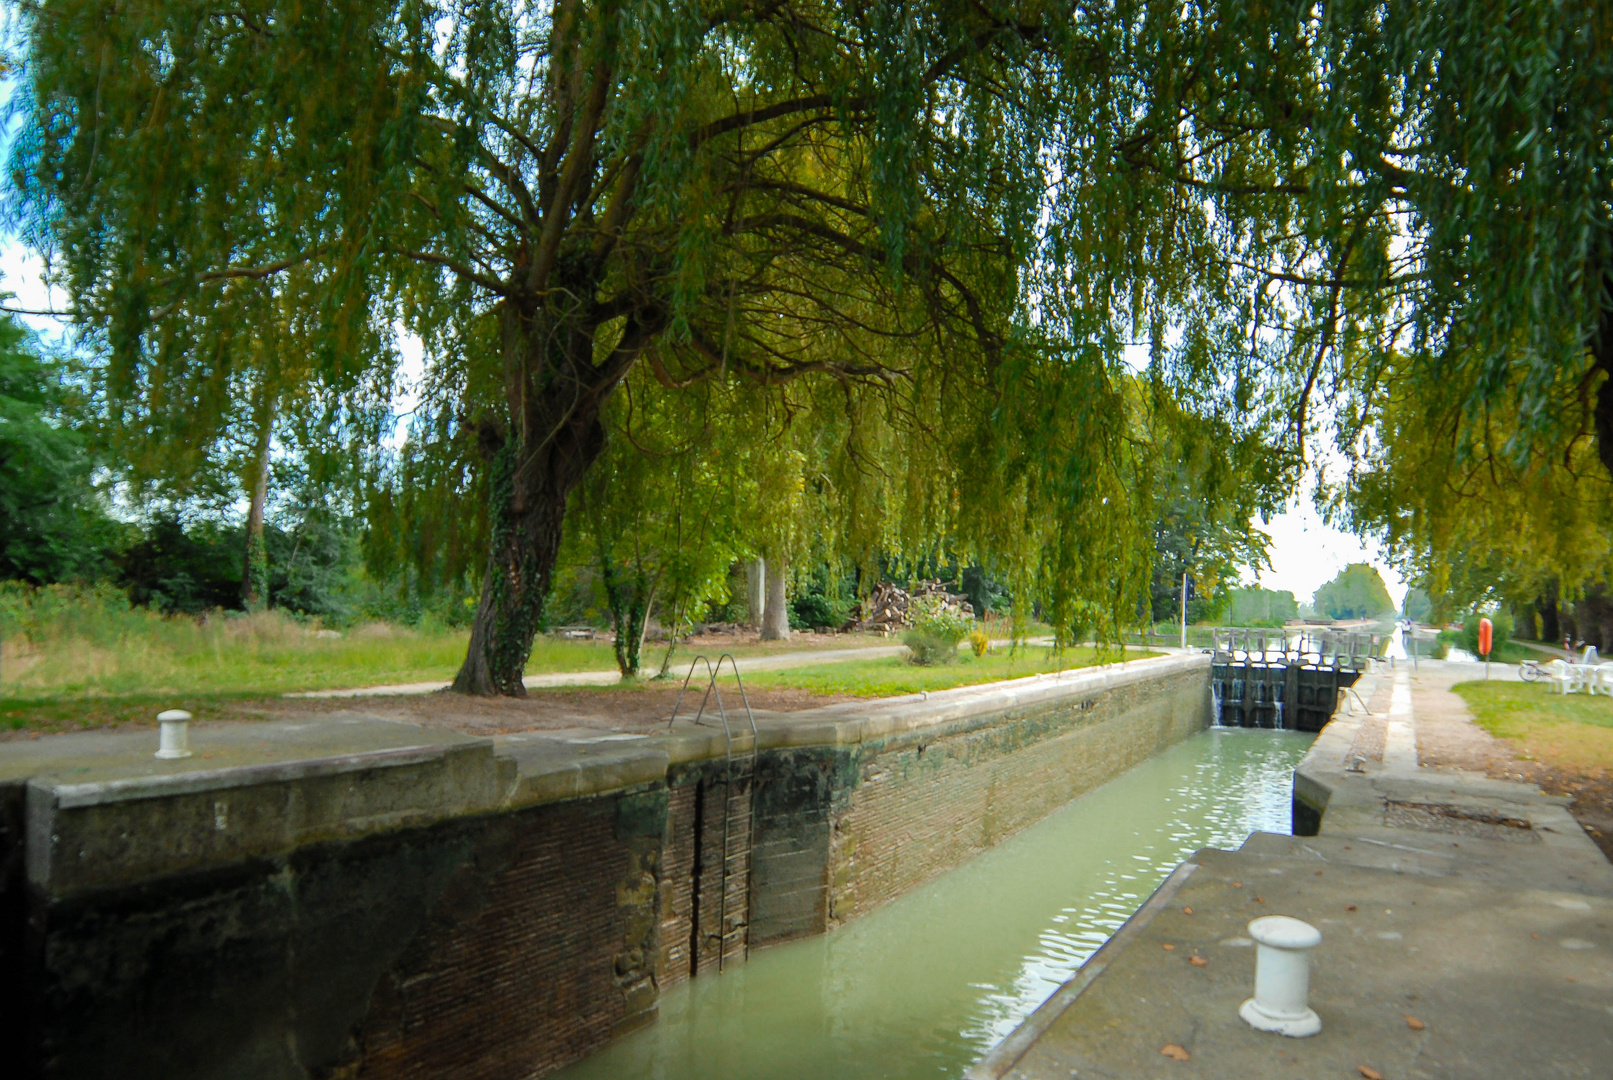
1467,924
773,662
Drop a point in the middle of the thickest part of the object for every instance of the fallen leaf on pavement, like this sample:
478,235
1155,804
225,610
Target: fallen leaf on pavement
1414,1023
1349,907
1176,1053
1369,1072
1198,961
1187,911
1260,899
1237,884
1168,947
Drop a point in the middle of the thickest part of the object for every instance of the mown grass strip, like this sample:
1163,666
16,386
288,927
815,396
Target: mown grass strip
1568,731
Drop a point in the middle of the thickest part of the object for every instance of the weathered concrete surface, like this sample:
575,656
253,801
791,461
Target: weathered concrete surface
107,813
1477,907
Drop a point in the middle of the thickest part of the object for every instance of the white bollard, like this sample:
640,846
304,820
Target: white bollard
1282,977
175,741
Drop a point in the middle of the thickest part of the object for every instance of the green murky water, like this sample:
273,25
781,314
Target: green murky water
925,985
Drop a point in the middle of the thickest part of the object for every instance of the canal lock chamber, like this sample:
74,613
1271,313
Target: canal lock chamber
431,903
927,983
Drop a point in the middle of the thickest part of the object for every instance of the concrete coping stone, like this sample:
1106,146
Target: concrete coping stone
99,793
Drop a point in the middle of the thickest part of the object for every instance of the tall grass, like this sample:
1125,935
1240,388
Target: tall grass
64,641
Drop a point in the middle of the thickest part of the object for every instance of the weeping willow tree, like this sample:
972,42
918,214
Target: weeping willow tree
908,208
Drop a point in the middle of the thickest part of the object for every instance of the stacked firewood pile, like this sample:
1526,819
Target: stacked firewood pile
888,609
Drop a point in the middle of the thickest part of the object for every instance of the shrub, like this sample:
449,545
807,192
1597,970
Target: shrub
808,611
936,631
979,640
1501,630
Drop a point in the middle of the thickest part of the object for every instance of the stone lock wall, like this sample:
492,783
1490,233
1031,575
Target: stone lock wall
922,804
470,911
500,946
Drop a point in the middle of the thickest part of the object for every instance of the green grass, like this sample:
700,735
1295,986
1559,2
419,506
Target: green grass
265,653
1572,732
83,657
892,675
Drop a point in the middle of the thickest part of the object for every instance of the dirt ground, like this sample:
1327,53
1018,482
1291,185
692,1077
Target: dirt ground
606,709
1448,739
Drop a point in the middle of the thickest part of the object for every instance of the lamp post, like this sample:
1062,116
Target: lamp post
1184,610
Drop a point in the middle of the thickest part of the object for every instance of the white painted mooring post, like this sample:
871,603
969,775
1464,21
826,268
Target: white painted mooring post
1282,977
175,741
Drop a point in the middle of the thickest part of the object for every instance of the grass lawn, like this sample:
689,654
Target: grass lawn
1573,732
125,667
888,676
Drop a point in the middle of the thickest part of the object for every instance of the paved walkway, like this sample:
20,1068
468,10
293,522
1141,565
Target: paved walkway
773,662
1475,907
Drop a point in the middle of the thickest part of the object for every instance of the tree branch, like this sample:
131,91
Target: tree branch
476,277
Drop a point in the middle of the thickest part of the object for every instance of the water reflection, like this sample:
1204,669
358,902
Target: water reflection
928,983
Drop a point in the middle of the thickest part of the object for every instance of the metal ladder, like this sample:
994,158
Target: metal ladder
739,785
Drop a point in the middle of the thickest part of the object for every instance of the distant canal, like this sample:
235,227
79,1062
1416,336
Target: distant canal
927,984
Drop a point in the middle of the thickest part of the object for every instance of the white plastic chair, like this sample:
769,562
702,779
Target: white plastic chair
1602,680
1581,677
1558,676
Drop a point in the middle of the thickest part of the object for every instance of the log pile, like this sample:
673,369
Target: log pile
889,608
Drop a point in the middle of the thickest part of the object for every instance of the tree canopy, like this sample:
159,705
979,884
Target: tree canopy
53,525
1358,592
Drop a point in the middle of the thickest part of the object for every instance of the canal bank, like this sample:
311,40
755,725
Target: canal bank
349,896
1467,931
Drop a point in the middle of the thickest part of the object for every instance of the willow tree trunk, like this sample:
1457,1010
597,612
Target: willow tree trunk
255,558
776,617
1602,353
554,390
528,512
755,591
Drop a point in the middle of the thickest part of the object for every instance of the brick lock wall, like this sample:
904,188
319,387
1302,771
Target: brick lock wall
677,885
534,965
507,945
922,807
681,898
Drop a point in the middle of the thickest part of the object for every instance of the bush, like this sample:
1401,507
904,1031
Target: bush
979,641
936,632
1501,624
809,611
